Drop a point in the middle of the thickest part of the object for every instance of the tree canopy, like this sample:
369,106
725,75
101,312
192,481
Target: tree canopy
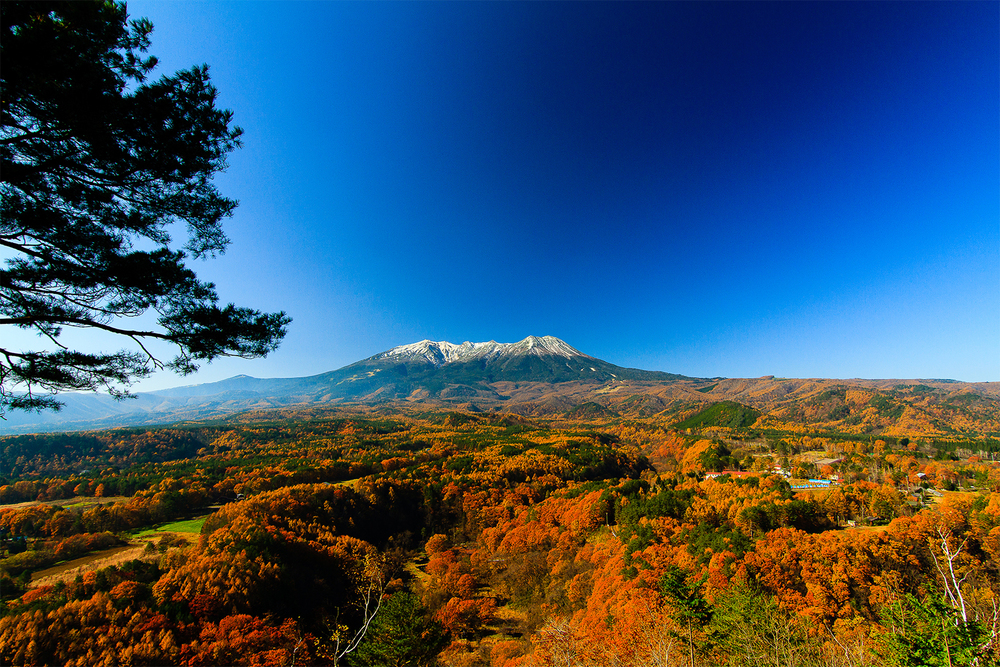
98,166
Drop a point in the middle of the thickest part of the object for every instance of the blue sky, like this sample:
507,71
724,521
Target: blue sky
731,189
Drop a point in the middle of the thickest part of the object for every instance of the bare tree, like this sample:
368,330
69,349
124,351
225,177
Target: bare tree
372,588
949,569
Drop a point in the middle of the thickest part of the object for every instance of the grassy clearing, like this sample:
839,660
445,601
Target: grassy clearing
868,529
814,490
189,526
965,495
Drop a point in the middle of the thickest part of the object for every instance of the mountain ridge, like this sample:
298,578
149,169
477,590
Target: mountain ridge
534,376
439,353
426,370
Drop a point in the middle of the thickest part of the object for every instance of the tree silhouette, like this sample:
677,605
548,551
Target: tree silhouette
96,166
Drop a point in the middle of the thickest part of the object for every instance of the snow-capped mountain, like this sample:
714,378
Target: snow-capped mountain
489,373
443,352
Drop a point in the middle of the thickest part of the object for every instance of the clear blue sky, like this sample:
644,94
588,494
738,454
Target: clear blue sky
796,189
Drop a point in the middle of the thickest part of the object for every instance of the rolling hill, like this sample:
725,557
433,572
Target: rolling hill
541,376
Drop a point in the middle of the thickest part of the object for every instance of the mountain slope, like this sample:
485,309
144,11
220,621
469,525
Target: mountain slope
544,376
421,371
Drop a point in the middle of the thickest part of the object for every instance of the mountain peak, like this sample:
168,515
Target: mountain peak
438,353
489,373
541,345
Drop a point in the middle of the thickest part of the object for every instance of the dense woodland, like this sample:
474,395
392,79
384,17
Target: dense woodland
396,537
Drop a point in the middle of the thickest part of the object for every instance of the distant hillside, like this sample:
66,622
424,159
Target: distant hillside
544,376
727,413
489,373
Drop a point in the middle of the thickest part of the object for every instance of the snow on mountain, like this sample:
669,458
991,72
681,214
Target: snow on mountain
438,353
428,369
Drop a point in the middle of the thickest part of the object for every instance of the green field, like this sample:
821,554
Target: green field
186,526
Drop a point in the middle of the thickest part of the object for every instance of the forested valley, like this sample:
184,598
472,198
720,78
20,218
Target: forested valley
500,504
461,538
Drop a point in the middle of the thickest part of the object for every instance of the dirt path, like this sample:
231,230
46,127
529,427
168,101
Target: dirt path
68,570
76,501
134,550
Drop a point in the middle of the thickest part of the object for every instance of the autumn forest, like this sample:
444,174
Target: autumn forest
706,534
